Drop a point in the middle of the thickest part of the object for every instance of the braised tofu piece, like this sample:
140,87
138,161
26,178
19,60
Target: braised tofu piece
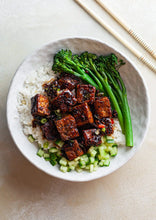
64,101
85,93
102,107
82,114
52,89
49,131
91,137
40,105
72,150
67,128
107,122
68,81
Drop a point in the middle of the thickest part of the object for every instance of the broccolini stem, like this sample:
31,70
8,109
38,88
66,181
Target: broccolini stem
128,122
110,93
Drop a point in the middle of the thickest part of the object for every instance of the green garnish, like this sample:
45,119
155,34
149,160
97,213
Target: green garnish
31,138
46,145
43,120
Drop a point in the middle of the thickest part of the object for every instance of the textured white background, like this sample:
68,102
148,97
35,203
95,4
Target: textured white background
25,192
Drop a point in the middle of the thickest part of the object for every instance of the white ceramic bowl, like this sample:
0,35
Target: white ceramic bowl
137,97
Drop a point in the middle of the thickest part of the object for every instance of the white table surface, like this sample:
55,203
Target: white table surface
27,193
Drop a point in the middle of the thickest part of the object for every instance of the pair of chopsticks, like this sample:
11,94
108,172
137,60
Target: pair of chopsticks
117,36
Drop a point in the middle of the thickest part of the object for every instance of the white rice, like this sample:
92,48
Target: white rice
32,86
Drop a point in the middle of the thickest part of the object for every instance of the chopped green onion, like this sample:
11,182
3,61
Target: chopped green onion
46,145
109,140
46,155
53,150
43,120
40,152
59,143
103,129
31,138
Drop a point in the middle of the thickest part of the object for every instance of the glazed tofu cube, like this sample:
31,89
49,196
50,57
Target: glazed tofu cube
68,81
83,114
107,122
40,105
91,137
64,100
67,128
85,93
102,107
52,89
72,150
49,131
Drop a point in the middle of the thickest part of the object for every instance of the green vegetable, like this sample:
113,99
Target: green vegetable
59,143
31,138
46,145
40,152
43,120
101,72
95,157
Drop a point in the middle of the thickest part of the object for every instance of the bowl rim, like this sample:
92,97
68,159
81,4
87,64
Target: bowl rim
98,41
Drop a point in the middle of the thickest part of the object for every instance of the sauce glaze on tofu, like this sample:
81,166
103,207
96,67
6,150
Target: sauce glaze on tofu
40,105
64,101
82,115
67,128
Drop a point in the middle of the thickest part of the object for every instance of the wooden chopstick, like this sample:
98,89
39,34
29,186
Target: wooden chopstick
116,35
128,29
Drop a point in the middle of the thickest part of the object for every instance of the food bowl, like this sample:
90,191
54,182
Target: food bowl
137,97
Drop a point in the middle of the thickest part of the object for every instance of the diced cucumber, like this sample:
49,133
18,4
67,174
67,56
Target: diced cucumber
72,163
84,158
95,167
78,169
63,161
102,154
92,151
91,168
106,163
113,151
82,164
53,150
101,163
76,159
91,159
40,152
64,169
53,162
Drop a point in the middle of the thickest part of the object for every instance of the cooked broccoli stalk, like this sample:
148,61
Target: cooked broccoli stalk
101,72
65,62
110,68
